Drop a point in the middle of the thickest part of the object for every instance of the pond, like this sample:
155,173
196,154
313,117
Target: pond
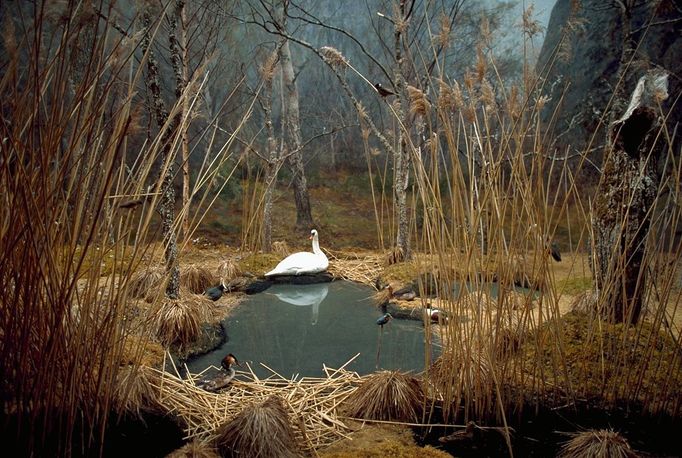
295,329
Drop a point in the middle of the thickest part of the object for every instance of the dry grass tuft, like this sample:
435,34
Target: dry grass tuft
602,443
178,321
395,256
387,395
144,281
228,270
281,248
196,278
262,430
195,449
134,390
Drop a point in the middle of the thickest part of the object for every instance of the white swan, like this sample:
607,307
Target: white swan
303,262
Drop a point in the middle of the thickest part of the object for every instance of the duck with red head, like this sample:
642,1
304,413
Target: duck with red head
223,378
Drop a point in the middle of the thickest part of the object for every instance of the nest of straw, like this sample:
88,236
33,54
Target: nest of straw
602,443
195,449
196,278
387,395
178,321
262,430
228,270
146,280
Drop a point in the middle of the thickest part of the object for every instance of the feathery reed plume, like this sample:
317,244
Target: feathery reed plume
443,37
262,430
144,282
487,94
195,449
419,104
196,278
602,443
267,70
334,57
386,395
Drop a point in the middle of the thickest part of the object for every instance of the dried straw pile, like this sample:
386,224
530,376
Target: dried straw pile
228,270
356,267
195,449
602,443
311,404
261,430
387,395
196,278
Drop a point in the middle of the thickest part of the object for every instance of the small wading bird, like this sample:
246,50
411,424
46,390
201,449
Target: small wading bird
383,91
384,319
222,379
436,314
216,292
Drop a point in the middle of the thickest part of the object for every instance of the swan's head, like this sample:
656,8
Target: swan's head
313,234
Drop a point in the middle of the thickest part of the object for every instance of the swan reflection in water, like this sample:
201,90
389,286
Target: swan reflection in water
302,295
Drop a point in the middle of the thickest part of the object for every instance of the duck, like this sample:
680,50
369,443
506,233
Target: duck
222,379
303,262
406,293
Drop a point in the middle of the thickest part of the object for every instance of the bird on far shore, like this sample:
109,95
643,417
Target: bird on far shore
436,315
215,292
383,91
406,293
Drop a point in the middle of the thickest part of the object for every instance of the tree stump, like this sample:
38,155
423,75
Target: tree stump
623,205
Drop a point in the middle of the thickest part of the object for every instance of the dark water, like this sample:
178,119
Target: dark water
295,329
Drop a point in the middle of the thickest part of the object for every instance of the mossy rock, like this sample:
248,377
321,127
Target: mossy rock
259,263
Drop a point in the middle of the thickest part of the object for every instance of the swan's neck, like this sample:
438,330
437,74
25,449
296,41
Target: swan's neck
316,245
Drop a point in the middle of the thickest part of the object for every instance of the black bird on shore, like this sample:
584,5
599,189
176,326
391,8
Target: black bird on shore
554,251
383,91
216,292
384,319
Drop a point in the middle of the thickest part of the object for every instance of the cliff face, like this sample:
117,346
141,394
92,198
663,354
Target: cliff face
581,56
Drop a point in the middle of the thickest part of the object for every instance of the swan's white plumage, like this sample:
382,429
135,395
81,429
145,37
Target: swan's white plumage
303,262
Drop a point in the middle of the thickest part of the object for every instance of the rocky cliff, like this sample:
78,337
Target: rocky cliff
581,56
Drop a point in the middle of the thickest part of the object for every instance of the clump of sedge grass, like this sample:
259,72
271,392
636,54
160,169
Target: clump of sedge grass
602,443
194,449
281,248
387,395
178,321
262,430
134,391
228,270
144,281
196,278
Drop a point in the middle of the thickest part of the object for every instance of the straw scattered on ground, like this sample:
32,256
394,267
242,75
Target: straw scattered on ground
602,443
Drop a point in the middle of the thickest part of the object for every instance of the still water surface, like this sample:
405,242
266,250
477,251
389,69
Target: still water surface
295,329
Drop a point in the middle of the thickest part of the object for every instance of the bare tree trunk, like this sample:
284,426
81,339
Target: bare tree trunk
273,161
167,200
623,206
184,139
402,156
292,134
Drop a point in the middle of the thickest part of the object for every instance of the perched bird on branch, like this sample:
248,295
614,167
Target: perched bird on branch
383,91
